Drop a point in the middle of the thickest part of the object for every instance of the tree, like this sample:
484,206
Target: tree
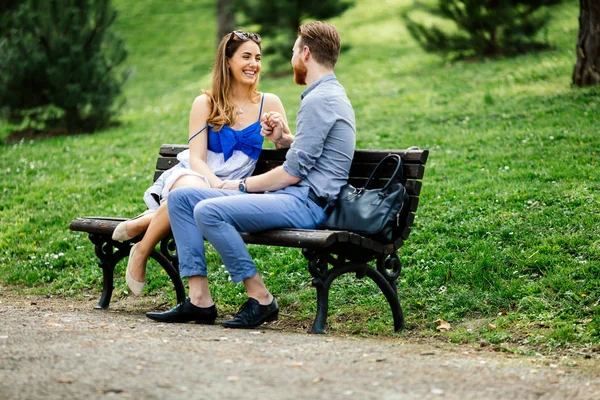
225,18
279,21
587,66
58,64
483,27
7,9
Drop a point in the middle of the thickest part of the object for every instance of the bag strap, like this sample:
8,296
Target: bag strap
375,175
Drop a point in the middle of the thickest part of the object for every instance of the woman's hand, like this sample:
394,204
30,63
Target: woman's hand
231,185
273,126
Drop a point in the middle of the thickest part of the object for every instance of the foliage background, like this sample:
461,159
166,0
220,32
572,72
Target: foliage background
60,65
507,231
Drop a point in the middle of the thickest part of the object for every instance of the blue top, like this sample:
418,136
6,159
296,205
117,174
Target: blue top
322,151
248,140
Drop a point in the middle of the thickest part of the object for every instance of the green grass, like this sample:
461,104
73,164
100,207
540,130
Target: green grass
507,230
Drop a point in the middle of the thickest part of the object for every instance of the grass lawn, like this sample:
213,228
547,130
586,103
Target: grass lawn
506,245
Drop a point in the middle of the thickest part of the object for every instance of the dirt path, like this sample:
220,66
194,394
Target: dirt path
63,349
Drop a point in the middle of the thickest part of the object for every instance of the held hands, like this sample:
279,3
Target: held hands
273,126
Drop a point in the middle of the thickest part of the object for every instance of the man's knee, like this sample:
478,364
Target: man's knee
207,212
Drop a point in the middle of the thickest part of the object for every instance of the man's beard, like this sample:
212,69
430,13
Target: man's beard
300,72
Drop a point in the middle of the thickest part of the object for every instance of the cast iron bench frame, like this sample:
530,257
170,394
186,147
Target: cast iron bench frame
346,252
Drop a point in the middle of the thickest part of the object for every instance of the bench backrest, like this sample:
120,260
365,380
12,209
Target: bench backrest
363,163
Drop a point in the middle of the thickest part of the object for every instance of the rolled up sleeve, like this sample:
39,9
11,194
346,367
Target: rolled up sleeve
315,118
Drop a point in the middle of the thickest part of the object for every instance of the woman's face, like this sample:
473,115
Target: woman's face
245,63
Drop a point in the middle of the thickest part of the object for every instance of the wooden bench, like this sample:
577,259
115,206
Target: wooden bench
329,253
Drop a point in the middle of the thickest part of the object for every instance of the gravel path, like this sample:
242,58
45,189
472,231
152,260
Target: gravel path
63,349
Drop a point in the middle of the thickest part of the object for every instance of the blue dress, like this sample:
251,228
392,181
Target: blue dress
231,154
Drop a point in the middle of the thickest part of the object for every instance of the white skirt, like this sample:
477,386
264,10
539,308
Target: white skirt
238,166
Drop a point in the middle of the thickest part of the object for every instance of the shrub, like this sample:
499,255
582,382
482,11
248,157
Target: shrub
58,64
483,27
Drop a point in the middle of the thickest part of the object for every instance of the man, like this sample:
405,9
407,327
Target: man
297,193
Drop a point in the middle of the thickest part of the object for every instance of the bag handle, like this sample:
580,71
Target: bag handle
375,175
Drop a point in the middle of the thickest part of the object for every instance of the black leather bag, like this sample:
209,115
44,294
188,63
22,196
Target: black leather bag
375,213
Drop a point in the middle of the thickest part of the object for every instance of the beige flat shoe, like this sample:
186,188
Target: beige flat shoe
120,233
136,287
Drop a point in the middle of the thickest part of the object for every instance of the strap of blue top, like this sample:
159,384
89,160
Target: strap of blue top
261,104
197,133
259,115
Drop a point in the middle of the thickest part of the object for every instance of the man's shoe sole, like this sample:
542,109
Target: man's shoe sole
182,321
269,318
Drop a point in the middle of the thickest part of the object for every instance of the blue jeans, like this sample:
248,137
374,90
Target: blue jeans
218,215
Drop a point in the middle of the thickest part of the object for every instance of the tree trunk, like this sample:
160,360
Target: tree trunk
225,18
587,66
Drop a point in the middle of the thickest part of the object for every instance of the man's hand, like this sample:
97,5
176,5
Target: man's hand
273,126
231,185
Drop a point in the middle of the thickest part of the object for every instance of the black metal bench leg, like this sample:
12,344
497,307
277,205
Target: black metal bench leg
108,273
385,277
322,306
104,247
317,266
391,295
387,273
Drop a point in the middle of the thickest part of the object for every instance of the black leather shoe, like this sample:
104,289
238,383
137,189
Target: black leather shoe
186,312
252,314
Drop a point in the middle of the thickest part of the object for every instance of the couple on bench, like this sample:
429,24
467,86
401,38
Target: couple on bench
208,195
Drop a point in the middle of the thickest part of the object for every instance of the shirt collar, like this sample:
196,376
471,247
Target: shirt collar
326,78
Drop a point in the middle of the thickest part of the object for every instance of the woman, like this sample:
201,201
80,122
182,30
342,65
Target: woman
224,142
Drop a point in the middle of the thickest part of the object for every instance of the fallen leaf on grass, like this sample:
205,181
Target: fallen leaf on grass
443,326
491,326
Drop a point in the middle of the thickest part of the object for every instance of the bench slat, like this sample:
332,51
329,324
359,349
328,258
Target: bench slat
300,238
414,203
296,238
277,237
101,225
408,155
411,171
412,187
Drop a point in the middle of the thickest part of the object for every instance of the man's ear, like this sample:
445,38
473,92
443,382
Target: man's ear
306,53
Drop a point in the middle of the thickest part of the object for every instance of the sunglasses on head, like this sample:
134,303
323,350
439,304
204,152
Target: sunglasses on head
246,36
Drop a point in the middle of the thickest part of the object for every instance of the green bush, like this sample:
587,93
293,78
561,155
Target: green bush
59,64
486,28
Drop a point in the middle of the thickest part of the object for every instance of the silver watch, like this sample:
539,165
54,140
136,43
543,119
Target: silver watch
242,186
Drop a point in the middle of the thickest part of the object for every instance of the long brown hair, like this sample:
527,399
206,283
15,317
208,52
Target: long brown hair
223,110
